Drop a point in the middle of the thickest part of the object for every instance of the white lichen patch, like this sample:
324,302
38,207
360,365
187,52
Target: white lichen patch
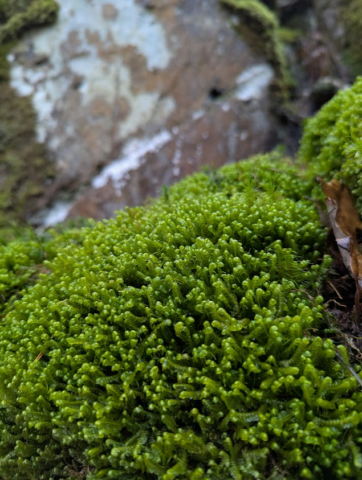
132,156
253,82
56,214
82,54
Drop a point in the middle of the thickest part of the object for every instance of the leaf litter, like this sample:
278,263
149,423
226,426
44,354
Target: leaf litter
344,286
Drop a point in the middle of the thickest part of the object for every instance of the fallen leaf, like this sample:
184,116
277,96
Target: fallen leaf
347,229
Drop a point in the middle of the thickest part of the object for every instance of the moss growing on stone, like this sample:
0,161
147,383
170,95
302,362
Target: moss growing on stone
24,167
260,25
183,340
17,16
331,141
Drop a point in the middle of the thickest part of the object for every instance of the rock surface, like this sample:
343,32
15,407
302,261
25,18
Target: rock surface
132,95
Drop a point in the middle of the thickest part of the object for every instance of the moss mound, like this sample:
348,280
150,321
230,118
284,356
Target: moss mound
183,340
331,142
22,256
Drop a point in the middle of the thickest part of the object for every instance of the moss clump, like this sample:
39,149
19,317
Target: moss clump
24,168
181,341
331,141
22,255
261,26
16,16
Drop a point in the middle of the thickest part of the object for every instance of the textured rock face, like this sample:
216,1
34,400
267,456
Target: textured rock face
132,95
332,30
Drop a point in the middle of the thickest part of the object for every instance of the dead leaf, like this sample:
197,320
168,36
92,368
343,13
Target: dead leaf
347,228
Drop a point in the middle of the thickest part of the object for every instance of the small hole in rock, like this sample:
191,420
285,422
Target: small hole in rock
215,93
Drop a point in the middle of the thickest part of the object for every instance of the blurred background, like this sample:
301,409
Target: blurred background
105,102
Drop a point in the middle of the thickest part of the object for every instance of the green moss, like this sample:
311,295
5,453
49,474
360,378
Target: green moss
22,256
260,26
24,167
184,339
351,15
289,35
331,140
177,342
17,16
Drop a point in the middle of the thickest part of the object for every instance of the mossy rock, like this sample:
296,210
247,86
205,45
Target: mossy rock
259,25
17,16
331,142
183,340
25,170
24,167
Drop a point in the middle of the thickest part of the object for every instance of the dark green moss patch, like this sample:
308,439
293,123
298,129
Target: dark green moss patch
25,170
24,167
17,16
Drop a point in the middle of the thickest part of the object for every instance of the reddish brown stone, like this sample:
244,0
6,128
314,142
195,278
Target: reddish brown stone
226,132
315,57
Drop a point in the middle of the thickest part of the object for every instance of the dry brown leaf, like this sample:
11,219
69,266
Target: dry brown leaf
347,227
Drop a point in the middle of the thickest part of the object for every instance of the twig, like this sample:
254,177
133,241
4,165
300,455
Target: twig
335,301
335,289
39,356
